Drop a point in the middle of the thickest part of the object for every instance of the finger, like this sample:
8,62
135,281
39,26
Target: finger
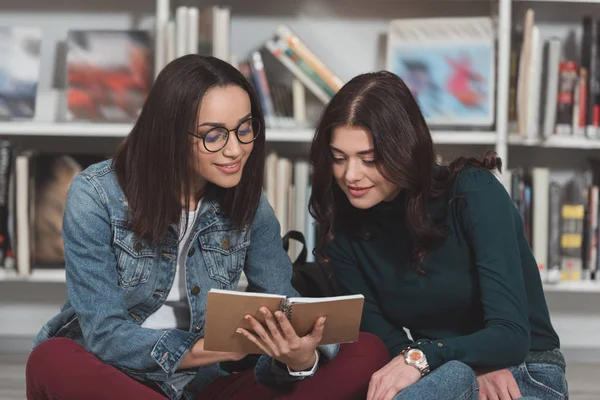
504,395
492,396
286,327
371,392
382,388
317,332
273,327
260,331
255,340
513,389
390,394
373,384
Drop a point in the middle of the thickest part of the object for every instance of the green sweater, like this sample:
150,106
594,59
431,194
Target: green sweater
481,301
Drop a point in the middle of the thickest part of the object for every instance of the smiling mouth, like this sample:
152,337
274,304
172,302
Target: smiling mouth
231,165
358,189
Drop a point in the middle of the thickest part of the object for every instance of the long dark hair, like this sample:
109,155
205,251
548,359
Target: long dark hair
153,163
382,104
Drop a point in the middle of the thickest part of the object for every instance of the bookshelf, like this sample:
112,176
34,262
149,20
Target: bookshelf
37,276
343,22
349,38
573,287
557,142
57,275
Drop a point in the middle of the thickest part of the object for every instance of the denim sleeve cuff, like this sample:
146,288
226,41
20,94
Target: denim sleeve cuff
272,373
436,351
328,351
170,349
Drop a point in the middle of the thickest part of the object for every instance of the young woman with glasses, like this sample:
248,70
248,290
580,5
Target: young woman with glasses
179,211
438,250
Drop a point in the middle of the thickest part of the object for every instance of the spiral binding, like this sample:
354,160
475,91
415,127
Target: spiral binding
286,309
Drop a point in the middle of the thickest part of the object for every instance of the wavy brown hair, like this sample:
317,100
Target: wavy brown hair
153,163
382,104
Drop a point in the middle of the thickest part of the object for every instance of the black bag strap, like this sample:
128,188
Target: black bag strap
298,236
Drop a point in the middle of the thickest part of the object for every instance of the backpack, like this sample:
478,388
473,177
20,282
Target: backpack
311,279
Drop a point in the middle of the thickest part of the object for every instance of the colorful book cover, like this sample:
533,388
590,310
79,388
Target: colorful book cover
19,71
109,74
448,64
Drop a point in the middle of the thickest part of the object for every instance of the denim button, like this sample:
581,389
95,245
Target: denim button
137,246
191,252
440,345
196,290
225,244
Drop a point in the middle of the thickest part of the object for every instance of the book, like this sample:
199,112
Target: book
448,65
19,71
109,74
226,310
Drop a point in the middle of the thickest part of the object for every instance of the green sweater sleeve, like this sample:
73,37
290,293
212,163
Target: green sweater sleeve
490,223
353,282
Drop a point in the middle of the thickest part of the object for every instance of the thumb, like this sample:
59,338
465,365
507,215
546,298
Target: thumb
317,332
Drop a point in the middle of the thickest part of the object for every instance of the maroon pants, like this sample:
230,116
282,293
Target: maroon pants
60,369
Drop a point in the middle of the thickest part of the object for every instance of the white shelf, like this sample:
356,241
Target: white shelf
573,287
439,137
83,129
557,1
37,275
289,135
464,137
557,142
99,130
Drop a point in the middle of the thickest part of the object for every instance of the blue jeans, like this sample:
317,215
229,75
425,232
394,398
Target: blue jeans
457,381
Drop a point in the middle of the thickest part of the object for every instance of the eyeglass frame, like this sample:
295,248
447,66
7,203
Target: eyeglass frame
236,129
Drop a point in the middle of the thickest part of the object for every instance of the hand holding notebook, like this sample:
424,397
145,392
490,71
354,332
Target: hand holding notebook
280,341
226,312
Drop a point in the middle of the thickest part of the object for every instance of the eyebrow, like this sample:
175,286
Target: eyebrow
360,153
222,125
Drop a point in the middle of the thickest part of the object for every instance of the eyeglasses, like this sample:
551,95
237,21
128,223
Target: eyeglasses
216,138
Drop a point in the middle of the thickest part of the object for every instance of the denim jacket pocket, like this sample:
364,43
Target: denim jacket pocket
134,257
224,252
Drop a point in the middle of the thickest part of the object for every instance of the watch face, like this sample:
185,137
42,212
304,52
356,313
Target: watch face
415,355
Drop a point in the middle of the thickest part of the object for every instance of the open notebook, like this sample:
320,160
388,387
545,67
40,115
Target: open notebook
226,309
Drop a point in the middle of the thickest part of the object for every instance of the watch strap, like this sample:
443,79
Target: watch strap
306,373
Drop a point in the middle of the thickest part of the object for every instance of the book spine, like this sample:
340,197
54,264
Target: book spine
582,101
552,64
564,109
334,82
589,60
5,171
160,44
276,50
517,42
261,84
305,67
554,234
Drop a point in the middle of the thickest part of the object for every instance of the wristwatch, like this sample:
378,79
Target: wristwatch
309,372
417,359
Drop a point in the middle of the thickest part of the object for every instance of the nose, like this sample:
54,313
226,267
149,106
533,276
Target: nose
233,147
353,171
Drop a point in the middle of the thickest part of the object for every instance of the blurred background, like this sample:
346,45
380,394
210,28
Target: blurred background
518,77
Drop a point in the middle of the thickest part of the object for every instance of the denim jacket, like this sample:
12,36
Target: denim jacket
115,281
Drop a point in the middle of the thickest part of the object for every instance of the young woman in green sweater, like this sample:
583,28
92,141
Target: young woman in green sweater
439,251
